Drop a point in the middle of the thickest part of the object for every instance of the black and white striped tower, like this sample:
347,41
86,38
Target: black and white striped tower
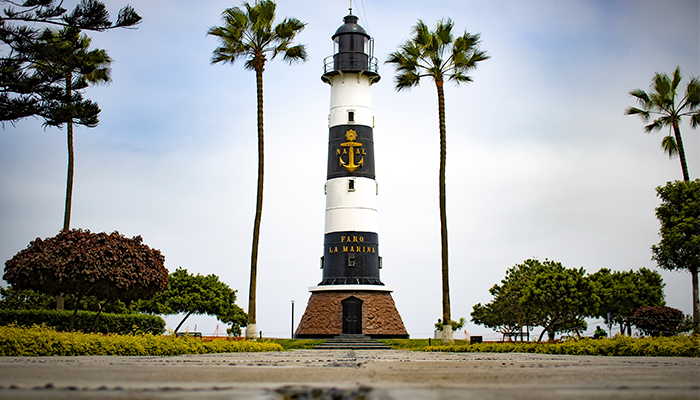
351,297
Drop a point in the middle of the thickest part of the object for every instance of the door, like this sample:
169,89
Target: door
352,315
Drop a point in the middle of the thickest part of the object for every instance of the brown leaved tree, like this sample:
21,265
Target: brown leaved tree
79,262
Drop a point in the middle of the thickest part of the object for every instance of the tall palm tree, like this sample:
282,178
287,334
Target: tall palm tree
247,33
64,58
662,103
439,55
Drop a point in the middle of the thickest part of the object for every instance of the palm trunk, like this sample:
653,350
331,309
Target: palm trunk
251,330
696,301
69,179
681,151
693,271
446,318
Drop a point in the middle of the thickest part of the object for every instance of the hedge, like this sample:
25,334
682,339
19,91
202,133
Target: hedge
677,346
20,341
84,320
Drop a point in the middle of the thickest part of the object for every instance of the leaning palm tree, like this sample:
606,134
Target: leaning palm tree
662,103
438,55
248,34
64,58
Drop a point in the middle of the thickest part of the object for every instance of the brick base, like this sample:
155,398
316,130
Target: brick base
324,315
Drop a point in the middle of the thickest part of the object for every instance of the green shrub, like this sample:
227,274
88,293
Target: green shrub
43,341
84,321
678,346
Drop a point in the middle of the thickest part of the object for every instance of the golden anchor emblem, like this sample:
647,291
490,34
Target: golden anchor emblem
352,148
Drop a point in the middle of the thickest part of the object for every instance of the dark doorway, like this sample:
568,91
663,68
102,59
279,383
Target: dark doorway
352,315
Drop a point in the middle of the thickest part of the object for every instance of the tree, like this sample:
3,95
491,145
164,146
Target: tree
248,34
661,103
196,294
506,313
561,297
27,299
659,320
440,56
26,92
679,248
23,93
623,292
66,61
84,263
535,293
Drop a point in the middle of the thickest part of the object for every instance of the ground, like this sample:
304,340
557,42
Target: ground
342,374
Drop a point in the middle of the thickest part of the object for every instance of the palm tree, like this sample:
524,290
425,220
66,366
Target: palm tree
440,56
248,34
661,103
64,58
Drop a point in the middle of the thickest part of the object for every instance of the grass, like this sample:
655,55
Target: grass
296,344
416,344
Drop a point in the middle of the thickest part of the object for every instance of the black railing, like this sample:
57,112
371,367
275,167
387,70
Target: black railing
350,62
351,281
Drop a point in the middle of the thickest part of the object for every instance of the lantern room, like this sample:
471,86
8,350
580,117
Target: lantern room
353,51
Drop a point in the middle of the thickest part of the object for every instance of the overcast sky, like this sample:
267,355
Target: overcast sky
541,160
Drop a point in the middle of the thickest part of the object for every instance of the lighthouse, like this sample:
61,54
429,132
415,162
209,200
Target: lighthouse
351,298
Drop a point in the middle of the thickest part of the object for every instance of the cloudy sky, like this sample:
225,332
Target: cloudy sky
542,162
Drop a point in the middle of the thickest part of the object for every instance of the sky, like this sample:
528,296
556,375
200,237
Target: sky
541,160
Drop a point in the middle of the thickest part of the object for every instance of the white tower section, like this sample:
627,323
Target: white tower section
351,202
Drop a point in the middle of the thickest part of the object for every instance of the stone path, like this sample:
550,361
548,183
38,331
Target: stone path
348,375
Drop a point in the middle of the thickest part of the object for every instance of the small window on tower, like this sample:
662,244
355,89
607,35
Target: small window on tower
351,185
351,259
351,116
380,262
322,260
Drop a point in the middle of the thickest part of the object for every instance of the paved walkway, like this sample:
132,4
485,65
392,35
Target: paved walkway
348,375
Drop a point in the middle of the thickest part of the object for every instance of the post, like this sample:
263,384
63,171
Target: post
292,336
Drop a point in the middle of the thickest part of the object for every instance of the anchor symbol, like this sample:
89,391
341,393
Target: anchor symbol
351,135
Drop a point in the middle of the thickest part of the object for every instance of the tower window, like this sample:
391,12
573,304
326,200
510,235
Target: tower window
351,259
322,261
380,262
351,185
351,116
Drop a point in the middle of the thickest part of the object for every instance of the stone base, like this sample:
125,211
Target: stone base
324,315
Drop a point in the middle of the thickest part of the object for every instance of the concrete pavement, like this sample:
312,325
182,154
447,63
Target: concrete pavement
347,375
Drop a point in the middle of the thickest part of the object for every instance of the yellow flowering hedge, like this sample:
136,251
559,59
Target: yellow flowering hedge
44,341
677,346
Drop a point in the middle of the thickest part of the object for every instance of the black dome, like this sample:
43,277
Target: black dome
350,26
